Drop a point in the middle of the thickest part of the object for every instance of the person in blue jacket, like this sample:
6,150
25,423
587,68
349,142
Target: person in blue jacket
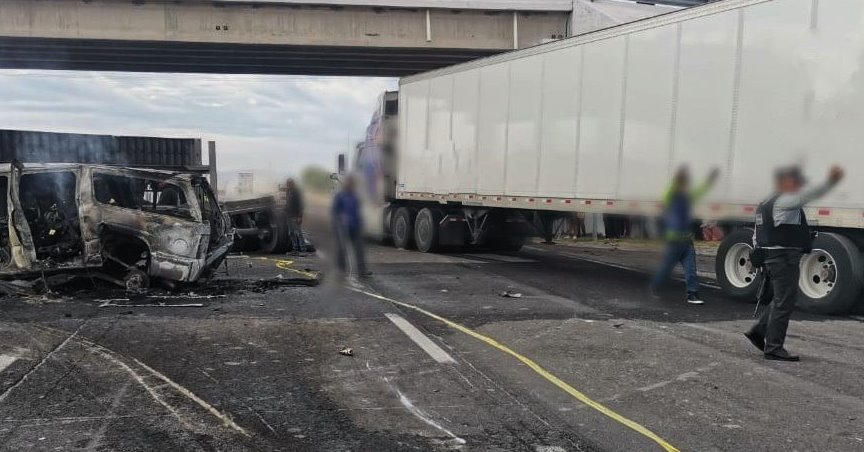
348,227
677,219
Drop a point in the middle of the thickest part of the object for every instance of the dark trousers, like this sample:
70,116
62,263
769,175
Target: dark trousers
295,235
783,271
346,239
682,252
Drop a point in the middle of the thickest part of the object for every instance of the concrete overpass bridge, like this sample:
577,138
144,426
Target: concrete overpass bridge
313,37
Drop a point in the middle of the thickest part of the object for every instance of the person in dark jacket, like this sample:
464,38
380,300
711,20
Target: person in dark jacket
294,216
677,218
348,227
783,235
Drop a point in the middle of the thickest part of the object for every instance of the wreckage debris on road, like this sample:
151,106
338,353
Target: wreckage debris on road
58,288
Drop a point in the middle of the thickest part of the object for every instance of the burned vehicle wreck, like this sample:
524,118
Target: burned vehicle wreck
126,225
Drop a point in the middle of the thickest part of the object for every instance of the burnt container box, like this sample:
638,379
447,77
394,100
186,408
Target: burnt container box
50,147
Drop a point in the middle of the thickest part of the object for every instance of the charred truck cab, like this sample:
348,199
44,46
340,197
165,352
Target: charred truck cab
125,225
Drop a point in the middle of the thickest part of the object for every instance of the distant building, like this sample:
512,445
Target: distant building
246,184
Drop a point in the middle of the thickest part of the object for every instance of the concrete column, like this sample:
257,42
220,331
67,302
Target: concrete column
515,30
428,26
211,161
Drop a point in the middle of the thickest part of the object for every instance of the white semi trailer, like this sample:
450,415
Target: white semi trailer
488,150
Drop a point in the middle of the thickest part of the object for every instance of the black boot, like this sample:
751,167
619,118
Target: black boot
757,339
781,355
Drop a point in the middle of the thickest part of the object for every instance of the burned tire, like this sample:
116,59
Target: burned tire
136,281
402,228
426,229
732,266
831,275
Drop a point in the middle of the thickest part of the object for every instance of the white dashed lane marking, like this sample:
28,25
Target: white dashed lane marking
431,348
6,361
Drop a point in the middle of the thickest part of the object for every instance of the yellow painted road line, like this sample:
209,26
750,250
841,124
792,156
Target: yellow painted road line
536,368
285,264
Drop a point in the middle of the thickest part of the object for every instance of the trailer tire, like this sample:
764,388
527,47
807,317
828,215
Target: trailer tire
276,241
732,267
387,226
426,229
831,275
402,228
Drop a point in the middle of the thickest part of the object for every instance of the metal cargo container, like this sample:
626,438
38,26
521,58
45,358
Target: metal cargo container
43,147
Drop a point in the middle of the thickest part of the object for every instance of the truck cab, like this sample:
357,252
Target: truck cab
376,166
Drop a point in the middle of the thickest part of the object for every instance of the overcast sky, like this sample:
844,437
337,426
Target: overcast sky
273,125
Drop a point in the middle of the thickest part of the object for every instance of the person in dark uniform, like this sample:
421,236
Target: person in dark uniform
294,217
781,237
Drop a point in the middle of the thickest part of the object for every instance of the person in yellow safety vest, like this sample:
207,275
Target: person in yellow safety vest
678,221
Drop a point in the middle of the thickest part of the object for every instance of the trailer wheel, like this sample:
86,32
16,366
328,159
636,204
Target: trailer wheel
831,275
426,229
275,241
738,278
275,237
387,226
402,228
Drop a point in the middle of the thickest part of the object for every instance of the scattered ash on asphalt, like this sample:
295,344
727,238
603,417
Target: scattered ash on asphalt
82,288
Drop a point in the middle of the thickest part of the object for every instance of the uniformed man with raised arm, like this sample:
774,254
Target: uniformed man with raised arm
783,236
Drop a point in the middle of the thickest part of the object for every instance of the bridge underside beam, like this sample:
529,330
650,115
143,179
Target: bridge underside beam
225,58
243,37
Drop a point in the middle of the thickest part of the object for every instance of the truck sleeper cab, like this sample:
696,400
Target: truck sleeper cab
121,224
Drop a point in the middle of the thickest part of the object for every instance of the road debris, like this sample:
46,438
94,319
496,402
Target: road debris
510,294
189,296
109,304
347,351
18,287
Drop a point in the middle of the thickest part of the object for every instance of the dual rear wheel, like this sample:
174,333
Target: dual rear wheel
420,229
831,278
411,228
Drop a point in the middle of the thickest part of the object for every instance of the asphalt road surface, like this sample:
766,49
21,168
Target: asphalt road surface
582,361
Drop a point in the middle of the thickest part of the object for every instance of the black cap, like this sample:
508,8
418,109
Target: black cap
790,171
